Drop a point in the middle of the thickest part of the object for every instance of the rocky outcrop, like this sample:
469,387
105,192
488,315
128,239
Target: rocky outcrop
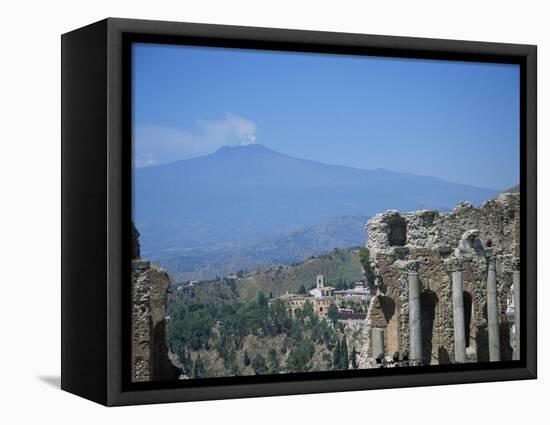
135,243
150,357
429,242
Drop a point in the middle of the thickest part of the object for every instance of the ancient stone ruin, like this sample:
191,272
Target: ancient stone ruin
150,360
443,282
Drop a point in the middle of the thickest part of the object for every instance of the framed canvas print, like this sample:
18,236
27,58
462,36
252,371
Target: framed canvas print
252,212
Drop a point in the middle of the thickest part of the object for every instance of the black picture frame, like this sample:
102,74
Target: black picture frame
96,199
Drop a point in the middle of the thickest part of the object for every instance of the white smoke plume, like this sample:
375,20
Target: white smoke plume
154,144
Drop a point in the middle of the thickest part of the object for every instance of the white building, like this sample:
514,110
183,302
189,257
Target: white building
320,289
358,293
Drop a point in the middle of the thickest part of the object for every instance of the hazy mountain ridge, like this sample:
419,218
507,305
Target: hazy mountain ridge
240,207
338,265
223,259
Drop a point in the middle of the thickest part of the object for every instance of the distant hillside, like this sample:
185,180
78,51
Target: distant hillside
206,263
250,193
514,189
339,265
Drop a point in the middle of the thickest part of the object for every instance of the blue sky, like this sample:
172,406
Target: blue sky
455,120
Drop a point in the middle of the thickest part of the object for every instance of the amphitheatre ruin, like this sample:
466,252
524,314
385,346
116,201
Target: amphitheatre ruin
446,284
445,289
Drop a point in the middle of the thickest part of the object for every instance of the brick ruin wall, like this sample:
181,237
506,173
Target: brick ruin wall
150,357
426,241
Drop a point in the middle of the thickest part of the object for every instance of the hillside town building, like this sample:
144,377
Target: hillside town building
322,297
357,294
320,304
320,289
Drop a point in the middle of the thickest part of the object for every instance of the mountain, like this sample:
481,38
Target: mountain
252,193
340,266
222,259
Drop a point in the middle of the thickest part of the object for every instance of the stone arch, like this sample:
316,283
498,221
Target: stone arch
443,356
387,306
161,368
506,350
391,314
482,336
397,231
384,314
505,289
469,321
428,303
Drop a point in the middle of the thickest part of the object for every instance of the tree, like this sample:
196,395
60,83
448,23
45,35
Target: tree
345,356
198,368
299,356
246,359
327,358
364,257
274,366
353,358
341,357
185,359
337,356
262,300
181,353
259,365
309,313
327,334
299,315
333,313
279,320
302,289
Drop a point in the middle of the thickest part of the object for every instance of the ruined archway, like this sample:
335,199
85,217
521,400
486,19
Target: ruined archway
506,327
397,231
468,319
482,337
387,307
384,315
428,303
391,314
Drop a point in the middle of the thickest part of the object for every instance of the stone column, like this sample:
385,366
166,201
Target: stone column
492,312
377,342
415,324
458,311
517,316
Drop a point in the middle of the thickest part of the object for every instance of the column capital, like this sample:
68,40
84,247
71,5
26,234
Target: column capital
492,261
412,266
455,264
515,264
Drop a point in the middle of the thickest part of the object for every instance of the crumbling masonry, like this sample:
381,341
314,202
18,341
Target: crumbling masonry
150,361
443,281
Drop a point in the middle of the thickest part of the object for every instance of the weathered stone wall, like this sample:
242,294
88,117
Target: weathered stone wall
426,241
141,324
150,357
497,221
150,360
